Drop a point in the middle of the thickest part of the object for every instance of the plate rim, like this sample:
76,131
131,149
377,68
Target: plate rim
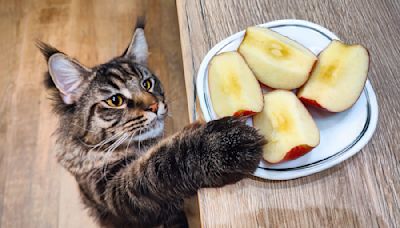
318,166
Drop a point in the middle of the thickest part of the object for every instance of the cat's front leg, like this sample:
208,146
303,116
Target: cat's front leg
204,155
150,190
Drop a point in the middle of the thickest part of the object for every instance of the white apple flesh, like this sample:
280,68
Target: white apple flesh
288,127
338,78
277,61
234,90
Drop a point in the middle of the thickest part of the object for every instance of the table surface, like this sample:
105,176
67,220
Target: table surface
360,192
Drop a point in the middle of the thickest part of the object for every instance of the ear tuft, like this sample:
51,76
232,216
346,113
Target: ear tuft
140,22
137,50
46,49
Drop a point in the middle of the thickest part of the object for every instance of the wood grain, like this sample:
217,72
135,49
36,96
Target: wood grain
362,191
34,190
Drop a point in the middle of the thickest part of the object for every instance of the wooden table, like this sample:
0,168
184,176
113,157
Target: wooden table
362,191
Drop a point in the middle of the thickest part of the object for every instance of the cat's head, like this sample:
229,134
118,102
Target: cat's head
119,97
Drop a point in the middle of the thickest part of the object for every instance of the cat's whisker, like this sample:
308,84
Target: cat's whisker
116,144
106,155
102,143
111,149
83,142
119,142
94,146
113,137
126,149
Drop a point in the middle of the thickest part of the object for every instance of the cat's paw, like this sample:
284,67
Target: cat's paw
233,148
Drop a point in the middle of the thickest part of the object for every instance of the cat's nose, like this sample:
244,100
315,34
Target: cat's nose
152,108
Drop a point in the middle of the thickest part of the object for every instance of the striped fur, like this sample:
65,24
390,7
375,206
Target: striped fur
128,175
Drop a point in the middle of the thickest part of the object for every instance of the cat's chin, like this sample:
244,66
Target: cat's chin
153,132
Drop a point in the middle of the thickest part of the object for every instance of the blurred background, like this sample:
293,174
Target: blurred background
34,190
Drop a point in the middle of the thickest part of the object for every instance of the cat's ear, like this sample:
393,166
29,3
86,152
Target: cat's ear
67,74
137,50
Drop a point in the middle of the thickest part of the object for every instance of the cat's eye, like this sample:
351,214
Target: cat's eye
147,84
115,101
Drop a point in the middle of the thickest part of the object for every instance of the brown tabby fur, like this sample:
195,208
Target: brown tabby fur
130,179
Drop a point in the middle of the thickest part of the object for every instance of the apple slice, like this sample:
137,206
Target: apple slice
234,90
288,127
338,78
276,60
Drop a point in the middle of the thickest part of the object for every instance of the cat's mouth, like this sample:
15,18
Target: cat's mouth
155,126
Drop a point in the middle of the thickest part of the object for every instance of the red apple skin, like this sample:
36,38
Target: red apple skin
244,113
311,102
294,153
314,103
297,152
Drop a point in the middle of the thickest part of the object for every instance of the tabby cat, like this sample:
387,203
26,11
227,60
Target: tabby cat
111,120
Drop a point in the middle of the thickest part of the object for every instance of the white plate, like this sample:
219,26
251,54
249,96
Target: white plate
342,134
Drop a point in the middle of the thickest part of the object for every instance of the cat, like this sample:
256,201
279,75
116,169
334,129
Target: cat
110,138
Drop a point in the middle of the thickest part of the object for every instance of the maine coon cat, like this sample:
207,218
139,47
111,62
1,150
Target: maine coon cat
111,120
